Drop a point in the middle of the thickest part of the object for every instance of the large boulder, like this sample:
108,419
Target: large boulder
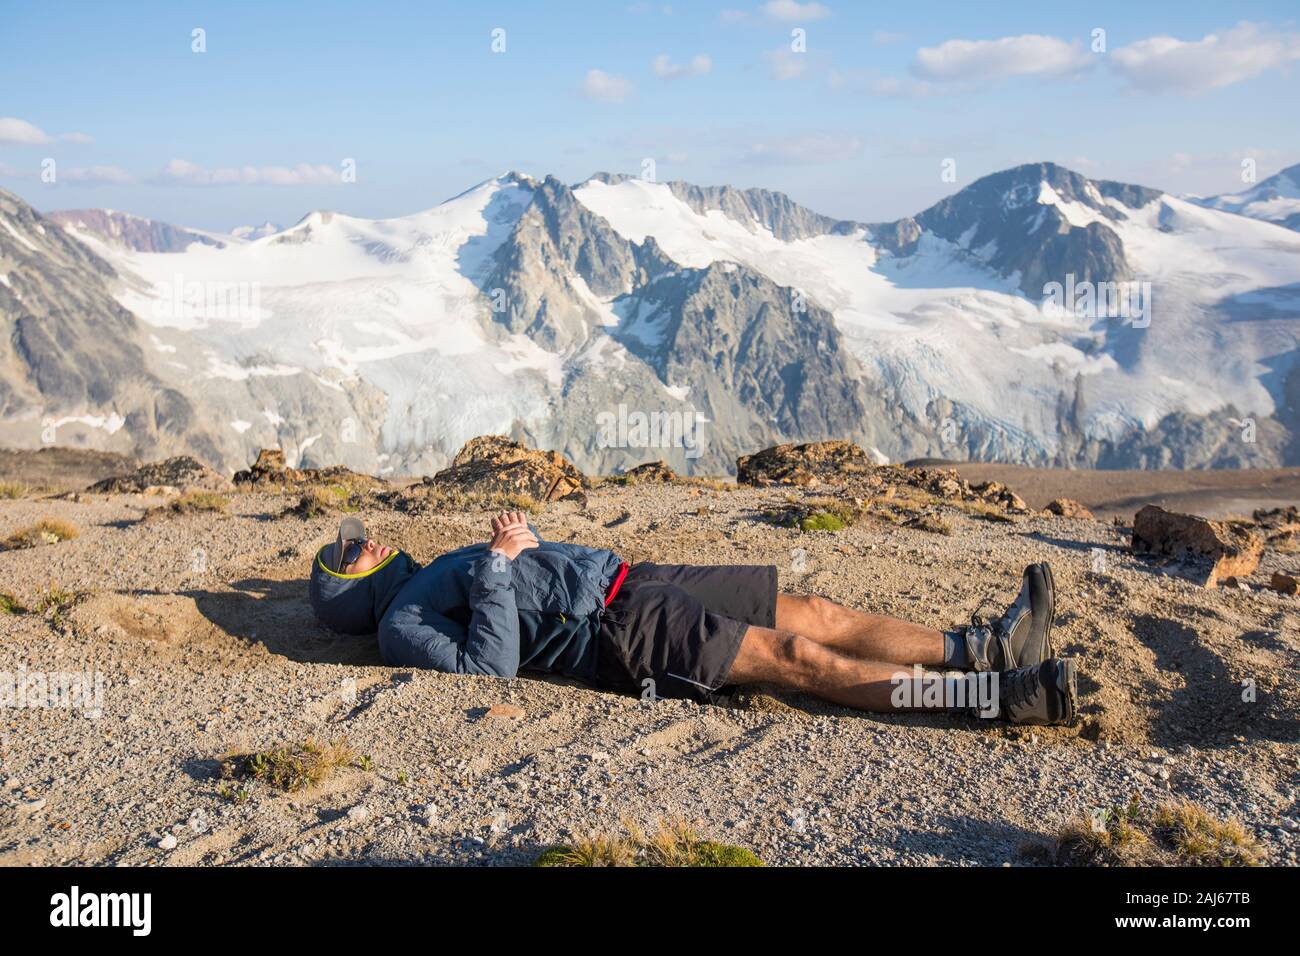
271,473
495,465
822,462
169,475
1215,549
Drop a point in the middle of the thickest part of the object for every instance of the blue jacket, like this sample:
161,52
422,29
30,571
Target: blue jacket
474,612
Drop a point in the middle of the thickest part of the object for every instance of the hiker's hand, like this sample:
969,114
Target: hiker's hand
511,535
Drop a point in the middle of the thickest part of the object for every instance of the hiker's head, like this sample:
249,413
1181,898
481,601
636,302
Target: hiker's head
354,579
363,556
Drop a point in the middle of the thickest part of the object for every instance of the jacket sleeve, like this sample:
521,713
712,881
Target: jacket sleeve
421,637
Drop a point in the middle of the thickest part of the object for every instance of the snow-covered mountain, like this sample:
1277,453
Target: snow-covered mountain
1034,316
267,228
1276,199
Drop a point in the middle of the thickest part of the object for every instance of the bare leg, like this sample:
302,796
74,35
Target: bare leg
870,637
795,662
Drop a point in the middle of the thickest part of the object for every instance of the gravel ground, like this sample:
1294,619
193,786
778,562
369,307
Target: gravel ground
201,629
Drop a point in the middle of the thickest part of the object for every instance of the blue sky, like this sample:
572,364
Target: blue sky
857,125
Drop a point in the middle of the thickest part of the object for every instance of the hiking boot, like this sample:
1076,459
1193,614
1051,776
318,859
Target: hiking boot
1022,637
1042,694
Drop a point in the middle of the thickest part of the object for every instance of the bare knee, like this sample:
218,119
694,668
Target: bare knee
771,656
806,613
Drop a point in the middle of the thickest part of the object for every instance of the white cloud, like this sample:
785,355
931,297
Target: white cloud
97,175
788,10
180,172
804,149
784,64
605,87
16,132
666,69
1028,55
1165,64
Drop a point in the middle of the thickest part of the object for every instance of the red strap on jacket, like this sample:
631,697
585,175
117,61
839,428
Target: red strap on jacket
617,582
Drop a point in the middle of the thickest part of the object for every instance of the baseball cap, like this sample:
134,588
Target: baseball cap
351,531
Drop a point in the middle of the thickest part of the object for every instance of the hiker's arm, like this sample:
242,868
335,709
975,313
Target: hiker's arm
418,636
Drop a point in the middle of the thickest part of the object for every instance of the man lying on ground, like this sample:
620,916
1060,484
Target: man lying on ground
520,603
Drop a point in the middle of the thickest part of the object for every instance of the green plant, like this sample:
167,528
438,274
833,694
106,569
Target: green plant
673,844
52,601
289,768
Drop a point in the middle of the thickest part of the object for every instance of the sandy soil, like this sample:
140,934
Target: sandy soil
200,626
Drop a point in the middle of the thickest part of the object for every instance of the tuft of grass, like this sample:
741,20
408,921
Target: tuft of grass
14,489
289,768
193,502
9,604
53,601
932,523
1170,834
1200,839
982,509
673,844
45,531
313,504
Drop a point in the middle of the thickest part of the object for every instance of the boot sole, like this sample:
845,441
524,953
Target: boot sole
1067,682
1051,609
1042,601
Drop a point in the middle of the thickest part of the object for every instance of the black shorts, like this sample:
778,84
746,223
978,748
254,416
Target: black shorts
680,626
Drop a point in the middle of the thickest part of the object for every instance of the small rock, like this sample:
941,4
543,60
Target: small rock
358,813
507,711
1284,583
1069,508
31,806
167,843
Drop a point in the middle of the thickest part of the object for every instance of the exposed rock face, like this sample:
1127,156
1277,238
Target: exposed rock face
179,473
133,232
1217,549
1069,508
1000,219
493,464
759,207
72,360
805,465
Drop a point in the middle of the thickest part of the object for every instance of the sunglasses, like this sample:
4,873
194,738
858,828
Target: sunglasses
351,551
